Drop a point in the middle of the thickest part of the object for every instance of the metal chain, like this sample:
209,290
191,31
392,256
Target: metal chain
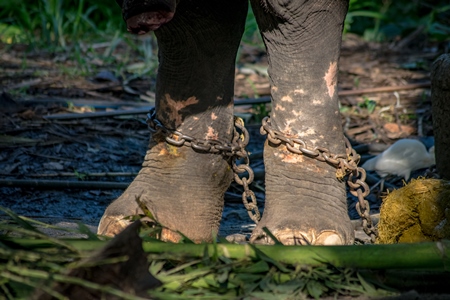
345,164
235,150
242,140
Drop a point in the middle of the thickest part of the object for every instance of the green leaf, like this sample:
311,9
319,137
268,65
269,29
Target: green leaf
261,255
315,289
263,296
245,278
82,228
259,267
206,257
156,267
223,276
270,234
369,289
18,220
144,208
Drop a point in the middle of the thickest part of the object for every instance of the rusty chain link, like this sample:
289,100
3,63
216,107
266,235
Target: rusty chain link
235,150
242,140
345,164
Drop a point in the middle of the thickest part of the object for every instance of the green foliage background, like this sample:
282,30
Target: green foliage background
388,19
58,23
54,23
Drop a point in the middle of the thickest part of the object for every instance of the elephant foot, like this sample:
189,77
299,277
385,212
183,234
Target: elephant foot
294,235
305,202
112,225
182,189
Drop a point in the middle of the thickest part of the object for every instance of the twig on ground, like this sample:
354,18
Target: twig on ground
384,89
69,174
60,184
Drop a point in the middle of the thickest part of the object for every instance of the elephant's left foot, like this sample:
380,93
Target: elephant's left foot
305,202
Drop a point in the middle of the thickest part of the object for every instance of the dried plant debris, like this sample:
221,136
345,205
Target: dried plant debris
41,267
417,212
134,265
119,270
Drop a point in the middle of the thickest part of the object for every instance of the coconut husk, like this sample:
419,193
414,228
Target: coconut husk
417,212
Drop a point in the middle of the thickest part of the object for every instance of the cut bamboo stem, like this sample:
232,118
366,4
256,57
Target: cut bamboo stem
433,256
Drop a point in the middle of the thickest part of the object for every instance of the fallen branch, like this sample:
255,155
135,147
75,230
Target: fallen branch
137,111
26,84
384,89
91,102
100,114
69,174
59,184
262,100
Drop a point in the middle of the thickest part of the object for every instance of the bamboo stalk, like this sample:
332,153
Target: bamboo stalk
424,256
397,256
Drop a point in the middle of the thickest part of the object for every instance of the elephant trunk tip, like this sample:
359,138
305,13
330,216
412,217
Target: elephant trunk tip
148,21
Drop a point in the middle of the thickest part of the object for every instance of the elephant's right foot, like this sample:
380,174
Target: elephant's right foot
182,189
305,203
113,223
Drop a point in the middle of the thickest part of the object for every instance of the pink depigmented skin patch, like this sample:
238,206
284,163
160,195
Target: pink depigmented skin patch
317,102
279,107
213,116
287,128
292,158
296,113
211,134
330,78
163,151
288,157
308,132
286,99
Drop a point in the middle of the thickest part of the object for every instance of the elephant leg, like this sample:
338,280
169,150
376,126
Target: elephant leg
183,188
305,201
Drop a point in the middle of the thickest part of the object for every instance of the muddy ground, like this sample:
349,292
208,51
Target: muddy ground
61,161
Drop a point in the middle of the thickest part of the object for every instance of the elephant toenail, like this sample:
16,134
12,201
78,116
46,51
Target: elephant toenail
329,238
112,225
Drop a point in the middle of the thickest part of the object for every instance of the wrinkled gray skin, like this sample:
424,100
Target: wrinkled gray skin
198,42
